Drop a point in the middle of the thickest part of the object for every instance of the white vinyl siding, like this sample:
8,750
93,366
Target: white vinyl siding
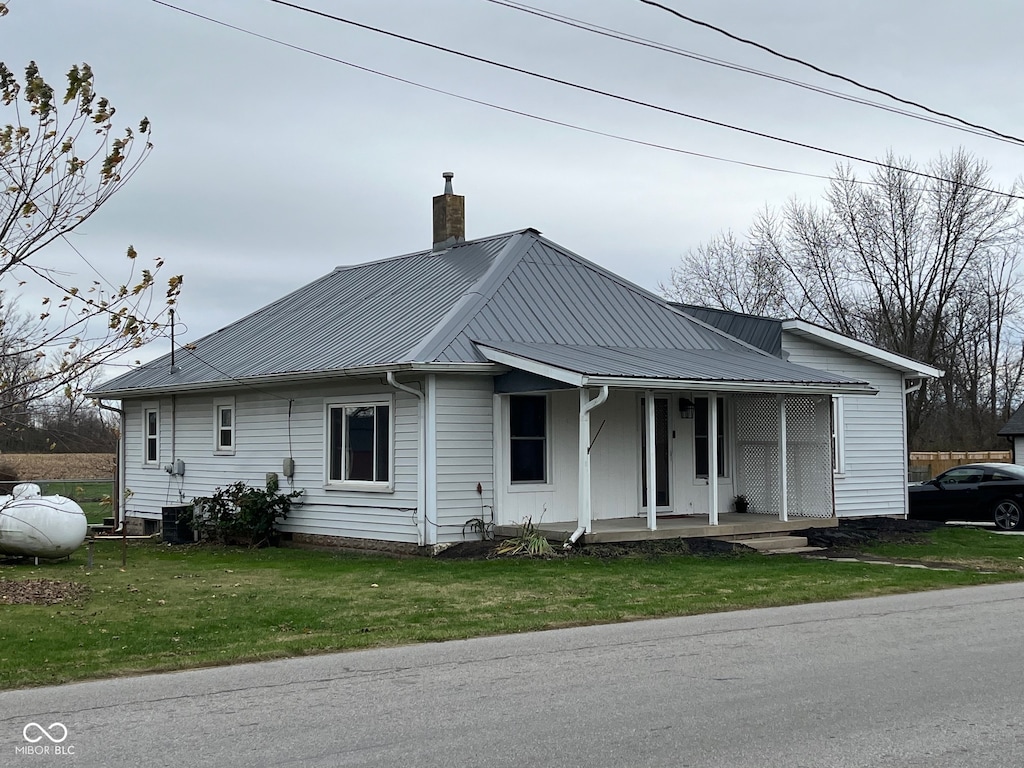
874,480
263,441
465,458
555,500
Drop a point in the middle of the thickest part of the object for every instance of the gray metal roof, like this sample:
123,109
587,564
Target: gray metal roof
734,365
1015,426
762,332
430,307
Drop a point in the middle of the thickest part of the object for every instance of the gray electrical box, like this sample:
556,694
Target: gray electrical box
288,468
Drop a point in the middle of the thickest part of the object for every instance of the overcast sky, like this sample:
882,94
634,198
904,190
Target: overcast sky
272,166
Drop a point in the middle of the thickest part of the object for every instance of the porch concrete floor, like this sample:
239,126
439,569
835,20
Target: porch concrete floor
730,524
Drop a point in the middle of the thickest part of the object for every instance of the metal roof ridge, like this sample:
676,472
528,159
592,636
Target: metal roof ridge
427,251
473,299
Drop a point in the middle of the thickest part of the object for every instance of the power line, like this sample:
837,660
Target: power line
825,72
614,34
492,105
876,163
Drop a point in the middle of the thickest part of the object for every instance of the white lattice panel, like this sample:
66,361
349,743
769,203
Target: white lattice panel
808,455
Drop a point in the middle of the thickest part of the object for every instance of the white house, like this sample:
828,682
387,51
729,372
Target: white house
1013,430
501,378
869,436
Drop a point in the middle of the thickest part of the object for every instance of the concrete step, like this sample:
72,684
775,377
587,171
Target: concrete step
770,544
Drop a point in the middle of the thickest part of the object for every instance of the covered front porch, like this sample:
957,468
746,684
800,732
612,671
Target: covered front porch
619,529
655,455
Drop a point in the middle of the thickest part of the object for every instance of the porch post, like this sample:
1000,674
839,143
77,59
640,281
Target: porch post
713,458
584,514
652,490
783,486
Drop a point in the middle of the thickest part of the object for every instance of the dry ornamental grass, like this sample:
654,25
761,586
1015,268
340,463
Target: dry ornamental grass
58,466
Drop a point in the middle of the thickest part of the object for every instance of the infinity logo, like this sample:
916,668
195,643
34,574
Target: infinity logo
45,732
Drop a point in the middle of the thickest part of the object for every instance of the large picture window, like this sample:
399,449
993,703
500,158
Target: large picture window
701,435
528,438
359,443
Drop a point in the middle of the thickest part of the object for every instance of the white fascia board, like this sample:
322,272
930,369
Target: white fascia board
577,379
750,387
532,366
288,378
860,349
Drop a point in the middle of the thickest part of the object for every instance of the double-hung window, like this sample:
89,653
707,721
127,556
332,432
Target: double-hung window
359,444
151,435
224,426
528,438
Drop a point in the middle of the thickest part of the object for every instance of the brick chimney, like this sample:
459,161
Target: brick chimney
449,216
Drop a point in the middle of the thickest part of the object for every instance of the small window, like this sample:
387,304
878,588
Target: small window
528,429
151,441
700,438
224,426
359,443
838,436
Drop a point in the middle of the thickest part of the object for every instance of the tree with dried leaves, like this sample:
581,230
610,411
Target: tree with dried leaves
61,159
924,264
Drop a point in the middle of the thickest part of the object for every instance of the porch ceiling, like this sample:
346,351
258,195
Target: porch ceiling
701,369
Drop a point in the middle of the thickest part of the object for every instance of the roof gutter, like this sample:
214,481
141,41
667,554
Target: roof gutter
289,378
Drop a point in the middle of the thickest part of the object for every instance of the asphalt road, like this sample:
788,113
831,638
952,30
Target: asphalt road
932,679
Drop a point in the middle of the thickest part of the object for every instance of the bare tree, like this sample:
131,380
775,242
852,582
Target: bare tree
61,159
924,265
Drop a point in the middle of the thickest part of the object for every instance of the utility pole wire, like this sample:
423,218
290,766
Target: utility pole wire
625,37
825,72
626,99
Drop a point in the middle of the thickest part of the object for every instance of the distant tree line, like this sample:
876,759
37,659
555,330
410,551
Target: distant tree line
926,265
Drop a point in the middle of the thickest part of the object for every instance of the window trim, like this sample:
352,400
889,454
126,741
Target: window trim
221,404
529,485
838,429
359,401
148,408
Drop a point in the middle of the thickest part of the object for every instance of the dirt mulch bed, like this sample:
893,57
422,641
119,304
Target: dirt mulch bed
40,592
484,550
851,536
855,534
58,466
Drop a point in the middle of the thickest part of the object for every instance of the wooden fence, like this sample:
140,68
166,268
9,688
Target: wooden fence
927,464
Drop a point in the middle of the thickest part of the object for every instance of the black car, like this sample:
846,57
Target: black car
982,492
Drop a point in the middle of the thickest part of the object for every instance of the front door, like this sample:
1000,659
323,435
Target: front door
662,460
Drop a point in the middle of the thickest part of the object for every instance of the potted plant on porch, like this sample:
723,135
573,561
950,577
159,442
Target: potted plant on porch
740,504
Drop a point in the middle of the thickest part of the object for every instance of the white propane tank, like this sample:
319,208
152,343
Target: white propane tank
40,526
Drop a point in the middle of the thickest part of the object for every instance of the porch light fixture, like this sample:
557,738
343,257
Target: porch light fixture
686,408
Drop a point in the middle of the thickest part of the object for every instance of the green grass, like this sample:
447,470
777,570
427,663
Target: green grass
79,491
178,607
967,547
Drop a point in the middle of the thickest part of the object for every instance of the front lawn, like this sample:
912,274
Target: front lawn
188,606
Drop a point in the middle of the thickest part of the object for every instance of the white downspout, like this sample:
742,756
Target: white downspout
431,523
120,503
421,486
584,514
